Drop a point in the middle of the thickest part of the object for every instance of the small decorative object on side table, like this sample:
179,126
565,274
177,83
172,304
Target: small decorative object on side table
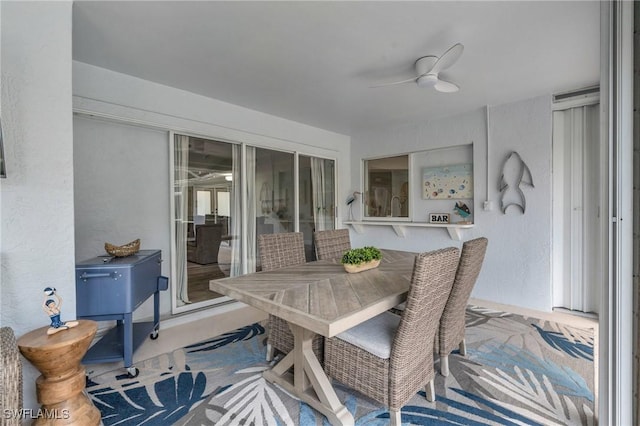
60,388
51,306
361,259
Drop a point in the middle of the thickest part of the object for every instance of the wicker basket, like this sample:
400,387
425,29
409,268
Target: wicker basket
123,251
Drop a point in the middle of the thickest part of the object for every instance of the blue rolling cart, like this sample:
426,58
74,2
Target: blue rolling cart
112,288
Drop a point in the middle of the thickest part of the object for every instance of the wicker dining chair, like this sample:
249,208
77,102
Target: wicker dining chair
278,251
451,331
10,378
331,244
390,357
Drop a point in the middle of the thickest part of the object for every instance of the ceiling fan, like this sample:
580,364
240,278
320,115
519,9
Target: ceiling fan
429,67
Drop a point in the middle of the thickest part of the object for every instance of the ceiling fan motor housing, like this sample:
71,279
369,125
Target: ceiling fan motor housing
428,80
425,64
428,67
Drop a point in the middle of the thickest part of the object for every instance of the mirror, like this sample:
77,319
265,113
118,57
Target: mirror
386,187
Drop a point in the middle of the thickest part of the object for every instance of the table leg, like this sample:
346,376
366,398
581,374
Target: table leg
309,382
64,401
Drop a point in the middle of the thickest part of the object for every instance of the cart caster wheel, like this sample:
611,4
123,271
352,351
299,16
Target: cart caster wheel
133,372
154,335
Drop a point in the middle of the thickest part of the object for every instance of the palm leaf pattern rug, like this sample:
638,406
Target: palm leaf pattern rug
518,371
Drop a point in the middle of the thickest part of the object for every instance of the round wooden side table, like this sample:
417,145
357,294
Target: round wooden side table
60,388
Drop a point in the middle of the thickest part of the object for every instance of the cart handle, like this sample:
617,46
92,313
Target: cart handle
85,276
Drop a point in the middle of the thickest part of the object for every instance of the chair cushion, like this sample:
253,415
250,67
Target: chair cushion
375,335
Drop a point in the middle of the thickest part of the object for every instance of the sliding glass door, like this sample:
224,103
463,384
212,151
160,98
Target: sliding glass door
206,176
271,186
316,184
225,195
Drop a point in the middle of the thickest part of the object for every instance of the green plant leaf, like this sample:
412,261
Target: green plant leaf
360,255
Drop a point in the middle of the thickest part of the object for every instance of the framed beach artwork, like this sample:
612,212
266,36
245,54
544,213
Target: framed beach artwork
451,182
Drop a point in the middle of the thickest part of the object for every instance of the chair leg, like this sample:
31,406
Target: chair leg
270,352
431,391
395,418
463,348
444,365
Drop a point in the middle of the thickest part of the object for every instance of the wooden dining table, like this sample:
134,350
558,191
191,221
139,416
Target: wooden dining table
320,297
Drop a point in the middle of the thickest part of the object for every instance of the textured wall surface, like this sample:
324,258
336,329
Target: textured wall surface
517,268
37,242
121,192
122,170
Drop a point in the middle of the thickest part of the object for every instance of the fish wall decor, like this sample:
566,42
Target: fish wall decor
515,173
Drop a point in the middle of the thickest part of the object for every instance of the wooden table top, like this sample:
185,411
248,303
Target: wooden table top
38,339
320,296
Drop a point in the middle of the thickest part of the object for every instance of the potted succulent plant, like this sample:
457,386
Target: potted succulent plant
361,259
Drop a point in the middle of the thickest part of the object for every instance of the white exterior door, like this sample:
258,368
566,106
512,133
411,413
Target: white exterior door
577,252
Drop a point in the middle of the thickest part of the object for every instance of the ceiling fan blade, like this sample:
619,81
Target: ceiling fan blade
395,82
446,86
448,58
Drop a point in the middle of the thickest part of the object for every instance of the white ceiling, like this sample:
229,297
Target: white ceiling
313,62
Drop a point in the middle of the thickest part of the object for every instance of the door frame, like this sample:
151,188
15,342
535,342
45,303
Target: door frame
616,321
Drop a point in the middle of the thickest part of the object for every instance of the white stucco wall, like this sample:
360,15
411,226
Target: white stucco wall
37,237
37,246
517,269
136,205
37,199
121,192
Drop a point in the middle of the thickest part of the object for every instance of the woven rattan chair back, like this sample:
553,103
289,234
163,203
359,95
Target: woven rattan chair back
10,378
395,380
280,250
331,244
411,362
451,330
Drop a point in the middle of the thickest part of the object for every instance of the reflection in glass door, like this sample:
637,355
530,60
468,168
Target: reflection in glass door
206,182
223,200
270,198
316,186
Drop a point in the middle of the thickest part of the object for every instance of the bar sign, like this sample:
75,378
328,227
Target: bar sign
439,218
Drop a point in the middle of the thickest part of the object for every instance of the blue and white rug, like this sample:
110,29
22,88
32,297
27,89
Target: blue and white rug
518,371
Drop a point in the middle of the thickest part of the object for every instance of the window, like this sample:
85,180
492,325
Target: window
386,187
410,187
203,203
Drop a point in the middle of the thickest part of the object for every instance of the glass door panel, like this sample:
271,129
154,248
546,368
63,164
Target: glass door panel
316,185
273,195
204,173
